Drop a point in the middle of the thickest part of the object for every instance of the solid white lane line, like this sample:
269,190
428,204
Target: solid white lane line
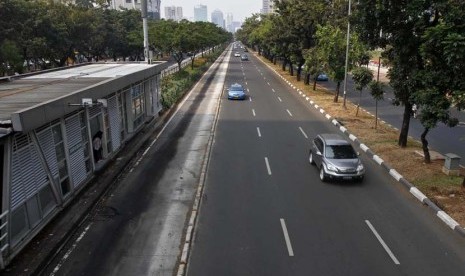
303,132
267,166
394,259
290,114
280,99
259,133
253,112
286,238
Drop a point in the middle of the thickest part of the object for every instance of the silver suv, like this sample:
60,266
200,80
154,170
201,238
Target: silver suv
335,158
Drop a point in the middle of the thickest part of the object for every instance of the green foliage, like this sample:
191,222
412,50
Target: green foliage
173,87
362,76
377,90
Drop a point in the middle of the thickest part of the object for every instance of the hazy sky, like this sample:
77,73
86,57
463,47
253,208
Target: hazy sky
239,8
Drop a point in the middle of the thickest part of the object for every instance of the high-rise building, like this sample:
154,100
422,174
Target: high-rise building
218,19
173,13
200,13
229,20
153,6
268,6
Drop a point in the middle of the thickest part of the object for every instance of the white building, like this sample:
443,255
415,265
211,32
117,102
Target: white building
153,6
200,13
218,18
268,6
173,13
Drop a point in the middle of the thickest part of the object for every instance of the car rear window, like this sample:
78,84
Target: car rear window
340,152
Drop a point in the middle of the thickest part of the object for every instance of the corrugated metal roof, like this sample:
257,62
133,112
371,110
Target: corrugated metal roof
24,93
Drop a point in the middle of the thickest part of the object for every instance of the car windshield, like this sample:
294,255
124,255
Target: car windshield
236,88
340,152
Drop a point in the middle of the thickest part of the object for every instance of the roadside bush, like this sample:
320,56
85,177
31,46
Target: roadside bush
173,87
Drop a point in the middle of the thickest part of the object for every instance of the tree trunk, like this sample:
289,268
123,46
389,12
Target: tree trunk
192,63
307,79
463,182
402,142
424,143
359,101
299,71
284,65
291,69
336,97
314,84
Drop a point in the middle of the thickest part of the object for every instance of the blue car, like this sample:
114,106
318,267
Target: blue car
236,92
322,77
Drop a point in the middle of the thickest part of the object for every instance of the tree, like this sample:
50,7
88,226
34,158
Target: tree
377,92
362,76
400,25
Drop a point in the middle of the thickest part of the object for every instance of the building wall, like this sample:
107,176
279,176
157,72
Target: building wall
218,19
173,13
201,13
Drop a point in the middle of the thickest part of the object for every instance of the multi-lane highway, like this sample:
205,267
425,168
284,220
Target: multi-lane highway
264,210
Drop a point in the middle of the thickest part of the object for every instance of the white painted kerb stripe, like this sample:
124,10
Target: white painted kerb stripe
364,147
395,174
377,159
394,259
416,193
447,219
352,137
267,166
286,238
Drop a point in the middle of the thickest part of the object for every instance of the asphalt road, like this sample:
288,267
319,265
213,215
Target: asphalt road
138,226
443,139
265,212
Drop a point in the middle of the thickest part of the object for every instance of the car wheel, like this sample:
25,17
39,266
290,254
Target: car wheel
322,174
359,179
310,158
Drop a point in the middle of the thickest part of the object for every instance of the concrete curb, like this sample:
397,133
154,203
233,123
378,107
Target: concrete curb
449,221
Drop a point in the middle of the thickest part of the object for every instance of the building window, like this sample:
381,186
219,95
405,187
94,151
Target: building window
138,105
61,160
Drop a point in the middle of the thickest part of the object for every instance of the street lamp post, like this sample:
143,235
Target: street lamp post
347,56
145,30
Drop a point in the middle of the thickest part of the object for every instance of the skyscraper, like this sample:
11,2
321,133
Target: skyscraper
200,13
173,13
153,6
218,19
229,20
268,6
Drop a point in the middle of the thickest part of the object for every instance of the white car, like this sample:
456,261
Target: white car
237,54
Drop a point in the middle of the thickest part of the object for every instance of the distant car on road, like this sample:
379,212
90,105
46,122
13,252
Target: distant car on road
322,77
236,92
244,57
237,54
335,158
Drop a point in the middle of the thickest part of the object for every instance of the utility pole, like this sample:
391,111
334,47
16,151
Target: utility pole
146,31
347,56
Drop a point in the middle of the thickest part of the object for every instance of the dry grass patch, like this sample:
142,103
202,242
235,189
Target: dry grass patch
445,191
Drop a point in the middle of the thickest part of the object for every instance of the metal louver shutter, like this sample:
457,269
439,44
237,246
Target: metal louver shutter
115,119
94,111
47,144
76,151
28,176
